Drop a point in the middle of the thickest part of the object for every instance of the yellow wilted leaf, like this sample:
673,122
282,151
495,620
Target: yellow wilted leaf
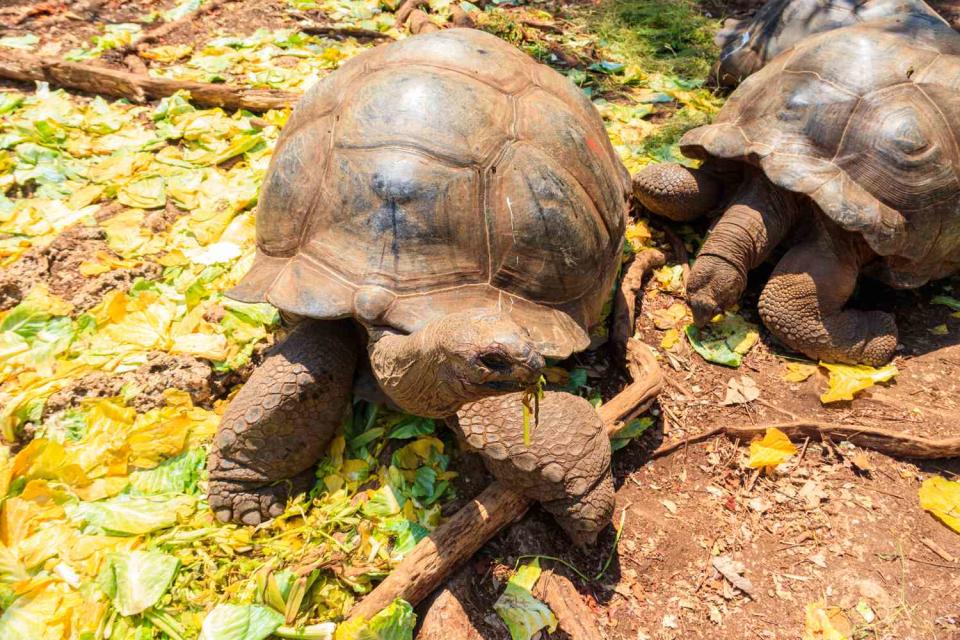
941,497
799,371
85,196
48,460
670,317
670,338
638,235
669,278
823,623
168,53
102,263
127,236
775,447
211,346
168,431
939,330
40,299
102,488
145,323
38,615
847,380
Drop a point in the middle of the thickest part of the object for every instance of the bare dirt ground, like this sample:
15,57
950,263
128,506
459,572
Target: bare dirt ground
838,525
842,525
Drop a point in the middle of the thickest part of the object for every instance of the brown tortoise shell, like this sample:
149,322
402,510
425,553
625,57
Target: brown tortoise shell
864,120
747,45
440,173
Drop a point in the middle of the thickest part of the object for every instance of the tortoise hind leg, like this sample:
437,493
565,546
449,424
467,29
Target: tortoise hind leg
277,425
803,302
566,466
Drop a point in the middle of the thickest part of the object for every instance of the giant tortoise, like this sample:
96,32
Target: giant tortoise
454,211
848,145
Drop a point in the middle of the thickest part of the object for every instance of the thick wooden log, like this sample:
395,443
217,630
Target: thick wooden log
625,301
446,617
437,555
25,67
574,617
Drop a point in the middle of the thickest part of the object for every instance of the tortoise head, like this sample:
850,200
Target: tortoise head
490,354
459,358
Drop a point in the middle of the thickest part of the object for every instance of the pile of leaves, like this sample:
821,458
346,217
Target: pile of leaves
104,528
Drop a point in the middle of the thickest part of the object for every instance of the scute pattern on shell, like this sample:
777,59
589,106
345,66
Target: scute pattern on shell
439,173
865,121
780,24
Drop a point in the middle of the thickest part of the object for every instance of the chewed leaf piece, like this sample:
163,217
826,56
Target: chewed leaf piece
523,614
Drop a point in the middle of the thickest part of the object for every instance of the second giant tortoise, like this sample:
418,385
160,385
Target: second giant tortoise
848,145
747,45
455,212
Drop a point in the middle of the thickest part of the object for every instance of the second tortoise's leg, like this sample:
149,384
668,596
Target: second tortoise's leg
277,425
759,217
566,466
803,302
677,192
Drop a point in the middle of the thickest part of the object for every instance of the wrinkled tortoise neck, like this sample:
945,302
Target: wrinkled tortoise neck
413,370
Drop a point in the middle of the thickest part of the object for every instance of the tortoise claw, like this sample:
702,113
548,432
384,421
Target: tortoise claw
252,503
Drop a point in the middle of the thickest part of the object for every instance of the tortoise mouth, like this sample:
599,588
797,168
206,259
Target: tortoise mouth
505,385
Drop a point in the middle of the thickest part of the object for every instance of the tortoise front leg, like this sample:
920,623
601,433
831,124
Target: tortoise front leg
566,466
276,427
759,217
803,302
674,191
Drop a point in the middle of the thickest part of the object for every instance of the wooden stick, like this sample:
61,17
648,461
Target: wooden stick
882,440
332,31
625,302
434,557
420,22
574,617
446,617
25,67
402,14
457,539
460,18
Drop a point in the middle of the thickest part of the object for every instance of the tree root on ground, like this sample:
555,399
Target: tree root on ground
886,442
136,87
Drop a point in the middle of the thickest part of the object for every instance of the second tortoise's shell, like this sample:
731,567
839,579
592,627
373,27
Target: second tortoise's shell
747,45
442,173
864,120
